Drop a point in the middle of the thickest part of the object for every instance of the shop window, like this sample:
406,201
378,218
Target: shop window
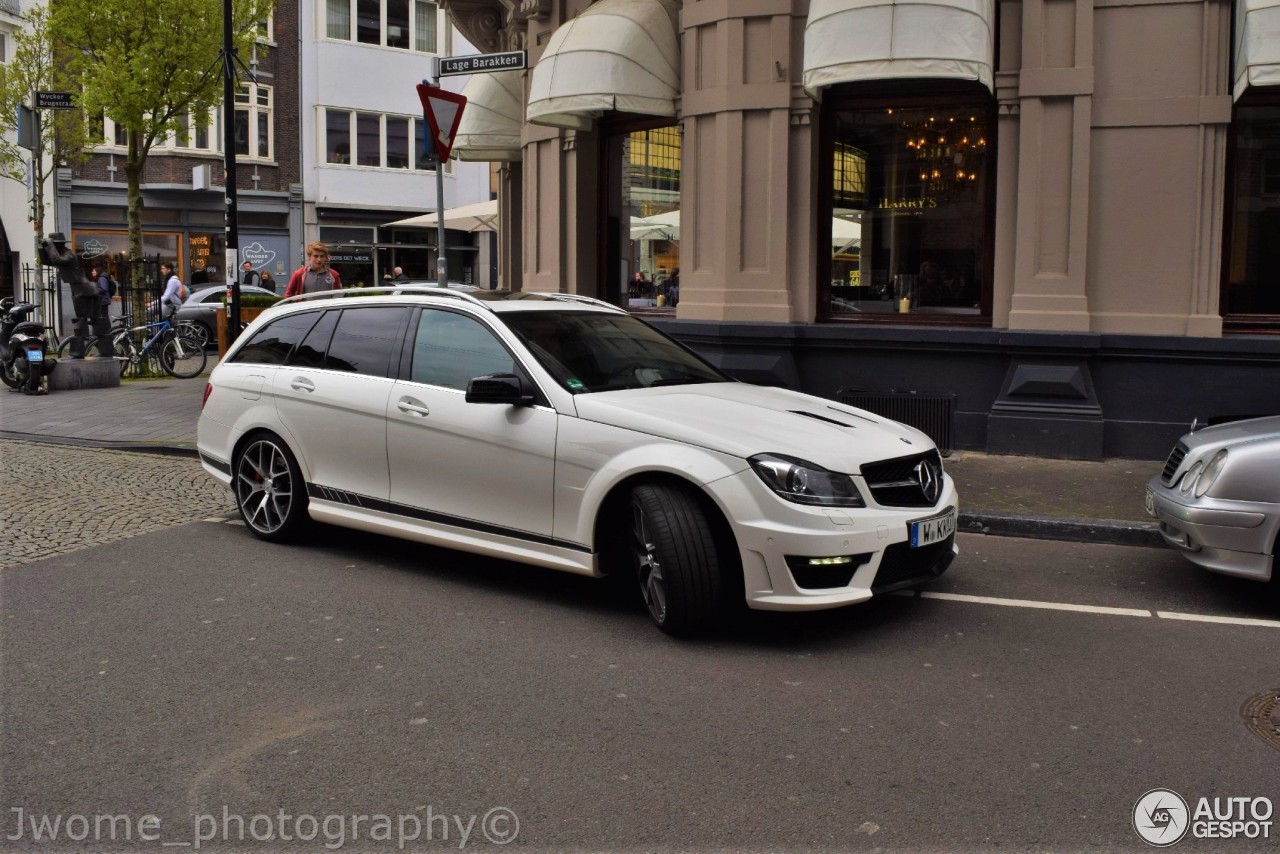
643,218
909,222
1251,292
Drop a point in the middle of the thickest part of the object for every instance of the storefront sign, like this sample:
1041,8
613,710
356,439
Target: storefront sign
200,247
351,256
907,205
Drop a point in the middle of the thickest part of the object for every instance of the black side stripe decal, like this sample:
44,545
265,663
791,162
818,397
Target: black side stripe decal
225,468
339,496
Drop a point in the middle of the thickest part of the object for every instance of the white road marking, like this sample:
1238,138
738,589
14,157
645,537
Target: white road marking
1230,621
1028,603
1090,609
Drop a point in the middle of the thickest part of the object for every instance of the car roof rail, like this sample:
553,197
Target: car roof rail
425,290
582,299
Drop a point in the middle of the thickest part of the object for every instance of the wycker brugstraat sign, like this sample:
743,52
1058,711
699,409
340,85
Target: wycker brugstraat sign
481,62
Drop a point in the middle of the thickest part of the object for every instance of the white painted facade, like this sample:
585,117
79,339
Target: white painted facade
349,75
14,195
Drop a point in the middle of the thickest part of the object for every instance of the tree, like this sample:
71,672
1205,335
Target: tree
64,134
146,65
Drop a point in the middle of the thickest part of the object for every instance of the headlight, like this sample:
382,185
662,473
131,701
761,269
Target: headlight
1211,472
806,483
1189,479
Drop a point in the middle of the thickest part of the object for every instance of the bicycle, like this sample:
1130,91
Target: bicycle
175,353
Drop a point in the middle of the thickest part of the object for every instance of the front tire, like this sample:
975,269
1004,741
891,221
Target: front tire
8,375
182,357
676,559
270,492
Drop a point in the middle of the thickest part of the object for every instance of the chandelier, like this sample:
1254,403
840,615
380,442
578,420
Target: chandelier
946,151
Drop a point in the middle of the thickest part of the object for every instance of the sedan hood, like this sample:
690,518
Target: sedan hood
744,420
1233,432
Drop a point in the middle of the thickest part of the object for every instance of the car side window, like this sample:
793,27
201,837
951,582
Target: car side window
451,349
213,297
365,339
311,352
271,344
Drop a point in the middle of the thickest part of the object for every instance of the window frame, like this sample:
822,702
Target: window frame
410,35
880,95
255,110
416,164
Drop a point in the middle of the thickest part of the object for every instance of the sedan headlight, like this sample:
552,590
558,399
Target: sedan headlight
1189,479
1211,472
806,483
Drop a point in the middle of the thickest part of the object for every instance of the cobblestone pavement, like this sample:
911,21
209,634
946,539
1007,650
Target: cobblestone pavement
90,496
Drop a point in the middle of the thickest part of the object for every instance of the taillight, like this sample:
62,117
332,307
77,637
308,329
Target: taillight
208,390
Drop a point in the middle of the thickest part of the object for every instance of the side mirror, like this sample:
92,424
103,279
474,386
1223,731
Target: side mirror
507,389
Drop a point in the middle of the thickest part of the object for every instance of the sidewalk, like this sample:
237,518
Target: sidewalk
1010,496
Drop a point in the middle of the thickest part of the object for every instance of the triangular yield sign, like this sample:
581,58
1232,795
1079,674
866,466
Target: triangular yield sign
443,112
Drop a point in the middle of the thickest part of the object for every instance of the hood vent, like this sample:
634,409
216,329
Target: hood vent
818,417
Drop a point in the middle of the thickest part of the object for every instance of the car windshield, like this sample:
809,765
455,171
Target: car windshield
591,351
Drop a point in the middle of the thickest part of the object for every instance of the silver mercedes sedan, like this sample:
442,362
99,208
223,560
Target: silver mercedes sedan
1218,498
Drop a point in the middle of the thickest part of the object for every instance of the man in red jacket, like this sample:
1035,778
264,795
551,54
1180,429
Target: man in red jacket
316,275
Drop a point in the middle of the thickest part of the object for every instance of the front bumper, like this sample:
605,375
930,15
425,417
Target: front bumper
769,530
1230,537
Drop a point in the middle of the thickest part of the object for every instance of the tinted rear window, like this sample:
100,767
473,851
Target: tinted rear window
364,340
271,344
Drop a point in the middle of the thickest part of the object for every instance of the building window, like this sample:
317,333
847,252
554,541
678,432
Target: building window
400,24
266,29
1251,291
910,213
253,122
381,141
4,48
194,134
643,218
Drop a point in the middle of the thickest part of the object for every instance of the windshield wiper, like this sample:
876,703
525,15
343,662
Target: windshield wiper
679,381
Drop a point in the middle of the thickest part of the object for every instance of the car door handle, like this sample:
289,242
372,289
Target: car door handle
411,407
302,384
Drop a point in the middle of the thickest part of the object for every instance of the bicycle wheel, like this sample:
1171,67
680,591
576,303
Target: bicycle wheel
194,331
182,357
127,355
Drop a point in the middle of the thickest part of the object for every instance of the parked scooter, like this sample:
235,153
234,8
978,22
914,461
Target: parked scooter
25,362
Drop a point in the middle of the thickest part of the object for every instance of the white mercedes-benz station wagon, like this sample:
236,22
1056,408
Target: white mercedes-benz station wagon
561,431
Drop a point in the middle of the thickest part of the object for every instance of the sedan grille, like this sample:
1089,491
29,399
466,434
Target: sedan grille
1171,467
906,481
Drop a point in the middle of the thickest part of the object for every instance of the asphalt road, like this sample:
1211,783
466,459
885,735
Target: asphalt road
199,676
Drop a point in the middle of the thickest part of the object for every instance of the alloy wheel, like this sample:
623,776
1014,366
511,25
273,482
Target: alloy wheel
264,487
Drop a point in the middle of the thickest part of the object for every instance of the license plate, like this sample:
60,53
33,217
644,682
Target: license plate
1151,503
935,529
35,355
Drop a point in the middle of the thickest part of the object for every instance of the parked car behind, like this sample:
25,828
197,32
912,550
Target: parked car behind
563,432
202,305
1218,498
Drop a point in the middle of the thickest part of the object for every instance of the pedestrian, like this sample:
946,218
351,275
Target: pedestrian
400,276
315,275
174,291
248,276
103,281
266,281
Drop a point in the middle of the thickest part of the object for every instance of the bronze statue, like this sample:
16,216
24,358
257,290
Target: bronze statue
85,299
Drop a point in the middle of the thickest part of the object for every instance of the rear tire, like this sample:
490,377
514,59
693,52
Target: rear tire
270,492
7,375
676,558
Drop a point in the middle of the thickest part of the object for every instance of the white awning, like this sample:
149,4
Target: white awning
1257,54
482,216
490,127
851,40
616,55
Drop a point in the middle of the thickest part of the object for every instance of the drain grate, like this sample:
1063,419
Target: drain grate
1262,717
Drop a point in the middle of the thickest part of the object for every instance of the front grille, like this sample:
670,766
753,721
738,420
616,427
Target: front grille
903,566
929,413
893,482
1175,460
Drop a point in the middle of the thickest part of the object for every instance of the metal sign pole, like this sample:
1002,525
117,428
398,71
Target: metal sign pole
442,263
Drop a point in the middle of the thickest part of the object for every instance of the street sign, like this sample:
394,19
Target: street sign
481,63
54,101
443,112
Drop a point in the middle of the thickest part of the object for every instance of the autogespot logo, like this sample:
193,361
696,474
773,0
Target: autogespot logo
1161,818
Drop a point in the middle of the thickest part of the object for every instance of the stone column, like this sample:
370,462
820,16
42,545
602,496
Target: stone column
747,248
